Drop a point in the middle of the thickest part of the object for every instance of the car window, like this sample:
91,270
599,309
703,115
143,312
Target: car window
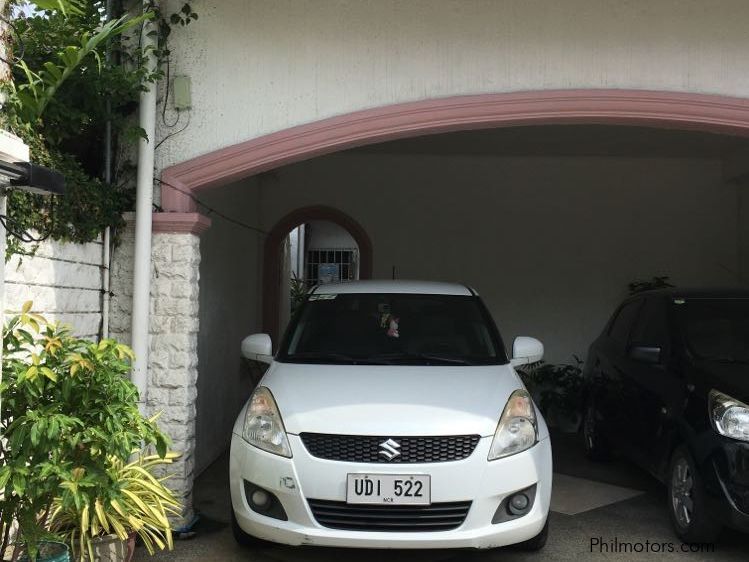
393,328
716,329
622,324
651,327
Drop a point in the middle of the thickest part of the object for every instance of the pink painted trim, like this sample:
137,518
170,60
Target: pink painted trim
180,223
703,112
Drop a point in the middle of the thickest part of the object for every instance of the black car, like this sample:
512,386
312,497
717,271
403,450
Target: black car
667,385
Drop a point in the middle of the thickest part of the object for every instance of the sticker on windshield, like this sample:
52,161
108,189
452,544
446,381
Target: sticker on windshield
323,297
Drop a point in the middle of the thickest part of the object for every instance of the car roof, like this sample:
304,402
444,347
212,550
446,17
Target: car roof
697,293
394,286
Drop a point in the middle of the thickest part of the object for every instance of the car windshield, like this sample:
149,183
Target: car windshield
393,329
716,329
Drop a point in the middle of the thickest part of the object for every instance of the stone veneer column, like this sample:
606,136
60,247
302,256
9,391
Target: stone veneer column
173,360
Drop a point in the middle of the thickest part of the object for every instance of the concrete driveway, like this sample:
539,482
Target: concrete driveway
609,511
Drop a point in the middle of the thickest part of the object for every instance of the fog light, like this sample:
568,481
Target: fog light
518,504
263,502
260,499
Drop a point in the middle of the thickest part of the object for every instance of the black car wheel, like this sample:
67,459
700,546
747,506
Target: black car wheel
596,446
687,501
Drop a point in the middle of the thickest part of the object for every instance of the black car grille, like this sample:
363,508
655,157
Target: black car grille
367,449
391,518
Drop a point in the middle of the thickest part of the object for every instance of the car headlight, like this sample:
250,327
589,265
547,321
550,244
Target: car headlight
263,426
729,416
517,429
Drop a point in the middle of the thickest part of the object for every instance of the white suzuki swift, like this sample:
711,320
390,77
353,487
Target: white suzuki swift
391,418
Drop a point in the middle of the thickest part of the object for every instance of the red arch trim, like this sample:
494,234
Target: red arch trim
710,113
272,255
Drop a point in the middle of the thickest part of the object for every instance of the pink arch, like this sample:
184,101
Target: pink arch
703,112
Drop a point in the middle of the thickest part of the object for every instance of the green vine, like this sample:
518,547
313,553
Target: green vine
80,70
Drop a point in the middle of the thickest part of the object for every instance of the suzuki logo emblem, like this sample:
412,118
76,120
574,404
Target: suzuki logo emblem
390,449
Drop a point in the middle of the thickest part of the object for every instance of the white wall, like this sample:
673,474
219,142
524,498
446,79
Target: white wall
549,242
326,234
259,66
229,311
63,280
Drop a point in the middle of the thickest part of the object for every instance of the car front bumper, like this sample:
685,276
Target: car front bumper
730,482
484,483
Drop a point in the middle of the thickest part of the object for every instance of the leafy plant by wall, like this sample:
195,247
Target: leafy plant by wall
557,390
79,71
297,292
68,409
651,284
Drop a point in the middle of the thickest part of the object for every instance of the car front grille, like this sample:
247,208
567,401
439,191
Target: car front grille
368,449
389,518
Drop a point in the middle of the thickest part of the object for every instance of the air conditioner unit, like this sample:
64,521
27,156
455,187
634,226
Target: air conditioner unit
17,172
12,149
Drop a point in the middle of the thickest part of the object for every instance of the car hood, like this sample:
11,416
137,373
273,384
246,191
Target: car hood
391,400
728,378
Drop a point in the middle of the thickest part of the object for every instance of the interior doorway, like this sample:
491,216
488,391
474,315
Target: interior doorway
315,253
309,246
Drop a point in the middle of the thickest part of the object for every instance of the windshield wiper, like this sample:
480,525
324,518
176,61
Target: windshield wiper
323,357
427,357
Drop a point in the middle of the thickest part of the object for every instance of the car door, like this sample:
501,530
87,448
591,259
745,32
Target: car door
609,378
656,392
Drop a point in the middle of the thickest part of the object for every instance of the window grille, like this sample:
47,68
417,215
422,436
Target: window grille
345,260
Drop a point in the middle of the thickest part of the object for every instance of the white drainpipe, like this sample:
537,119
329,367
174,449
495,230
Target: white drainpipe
143,222
106,257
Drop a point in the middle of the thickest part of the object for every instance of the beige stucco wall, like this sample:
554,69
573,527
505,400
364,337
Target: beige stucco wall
229,311
259,66
550,242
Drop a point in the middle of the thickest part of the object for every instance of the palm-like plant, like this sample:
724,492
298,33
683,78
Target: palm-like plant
30,97
139,503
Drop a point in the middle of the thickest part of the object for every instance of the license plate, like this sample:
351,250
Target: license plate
389,489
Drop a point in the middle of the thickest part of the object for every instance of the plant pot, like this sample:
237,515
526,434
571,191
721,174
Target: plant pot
110,549
130,547
51,552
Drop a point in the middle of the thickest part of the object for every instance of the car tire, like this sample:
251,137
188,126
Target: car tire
687,501
242,538
596,446
537,542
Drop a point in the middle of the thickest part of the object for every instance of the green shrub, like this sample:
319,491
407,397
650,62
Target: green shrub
67,410
557,390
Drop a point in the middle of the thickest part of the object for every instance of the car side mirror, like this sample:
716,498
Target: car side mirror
258,347
526,350
645,353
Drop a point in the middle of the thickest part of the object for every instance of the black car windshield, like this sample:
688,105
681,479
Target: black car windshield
393,329
716,329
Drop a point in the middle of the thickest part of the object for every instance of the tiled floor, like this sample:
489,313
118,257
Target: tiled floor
594,507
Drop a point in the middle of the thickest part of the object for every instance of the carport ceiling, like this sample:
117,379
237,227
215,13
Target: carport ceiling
564,140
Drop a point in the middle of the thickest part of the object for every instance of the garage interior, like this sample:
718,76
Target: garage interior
548,223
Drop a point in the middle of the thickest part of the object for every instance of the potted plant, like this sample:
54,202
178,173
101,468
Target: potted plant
139,504
67,410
